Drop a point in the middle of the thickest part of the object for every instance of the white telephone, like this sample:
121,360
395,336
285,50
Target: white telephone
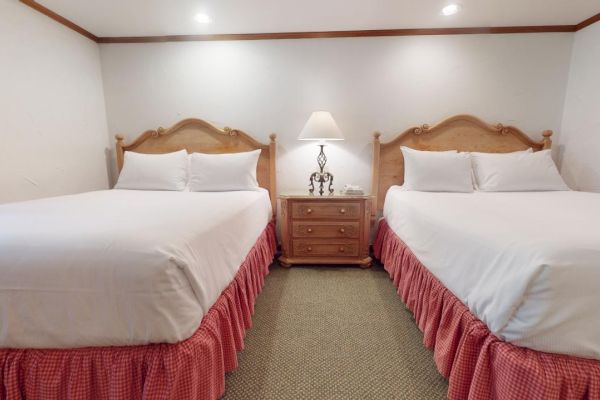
352,190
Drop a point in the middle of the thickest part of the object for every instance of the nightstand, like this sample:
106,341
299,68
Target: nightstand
331,229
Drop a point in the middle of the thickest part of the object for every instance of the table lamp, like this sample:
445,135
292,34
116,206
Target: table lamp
321,126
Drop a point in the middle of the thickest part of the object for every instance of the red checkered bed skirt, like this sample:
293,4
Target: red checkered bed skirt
192,369
478,365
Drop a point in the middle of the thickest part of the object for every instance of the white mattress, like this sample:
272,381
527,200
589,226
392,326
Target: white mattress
120,267
526,264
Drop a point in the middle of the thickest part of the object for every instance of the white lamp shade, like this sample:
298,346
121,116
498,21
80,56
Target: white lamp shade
321,126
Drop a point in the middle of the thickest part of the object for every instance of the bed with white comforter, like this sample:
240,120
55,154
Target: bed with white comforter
527,264
120,267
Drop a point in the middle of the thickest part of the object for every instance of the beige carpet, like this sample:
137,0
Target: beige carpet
333,333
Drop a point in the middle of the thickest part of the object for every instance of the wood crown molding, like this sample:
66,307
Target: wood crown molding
312,35
584,24
60,19
340,34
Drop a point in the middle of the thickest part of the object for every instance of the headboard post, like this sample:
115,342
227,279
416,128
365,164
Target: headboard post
273,172
547,141
375,171
120,151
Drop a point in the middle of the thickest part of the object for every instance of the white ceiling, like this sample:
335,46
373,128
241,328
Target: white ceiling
173,17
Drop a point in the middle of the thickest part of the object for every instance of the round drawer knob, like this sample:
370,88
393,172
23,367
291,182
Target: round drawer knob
309,230
342,211
342,230
342,249
309,248
309,210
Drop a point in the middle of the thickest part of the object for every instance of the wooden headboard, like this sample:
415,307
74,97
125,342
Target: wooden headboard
196,135
461,132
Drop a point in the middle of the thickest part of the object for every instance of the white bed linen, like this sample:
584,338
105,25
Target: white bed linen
120,267
527,264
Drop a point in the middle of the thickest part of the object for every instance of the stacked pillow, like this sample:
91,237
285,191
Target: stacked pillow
516,172
223,172
197,172
450,171
154,171
437,171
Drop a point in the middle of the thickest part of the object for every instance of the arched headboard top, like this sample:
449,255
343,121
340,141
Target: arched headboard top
197,135
460,132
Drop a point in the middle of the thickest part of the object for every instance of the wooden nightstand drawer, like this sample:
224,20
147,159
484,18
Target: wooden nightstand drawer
325,248
329,209
312,229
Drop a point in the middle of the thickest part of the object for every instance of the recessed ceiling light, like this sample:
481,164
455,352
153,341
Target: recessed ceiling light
203,18
450,9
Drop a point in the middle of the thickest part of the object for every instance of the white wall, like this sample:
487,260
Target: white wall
580,139
53,132
386,84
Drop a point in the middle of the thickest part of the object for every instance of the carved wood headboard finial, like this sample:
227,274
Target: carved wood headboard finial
547,141
119,148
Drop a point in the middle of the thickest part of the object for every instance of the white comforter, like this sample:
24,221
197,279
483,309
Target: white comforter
120,267
527,264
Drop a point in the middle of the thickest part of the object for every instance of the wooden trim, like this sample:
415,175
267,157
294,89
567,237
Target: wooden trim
340,34
460,132
60,19
584,24
311,35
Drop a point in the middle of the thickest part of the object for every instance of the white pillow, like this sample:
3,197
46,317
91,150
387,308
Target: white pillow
223,172
517,172
474,153
437,171
154,171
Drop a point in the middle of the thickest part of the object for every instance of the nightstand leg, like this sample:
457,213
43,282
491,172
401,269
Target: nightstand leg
284,264
367,264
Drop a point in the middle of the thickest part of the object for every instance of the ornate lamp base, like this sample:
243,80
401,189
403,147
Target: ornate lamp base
321,176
